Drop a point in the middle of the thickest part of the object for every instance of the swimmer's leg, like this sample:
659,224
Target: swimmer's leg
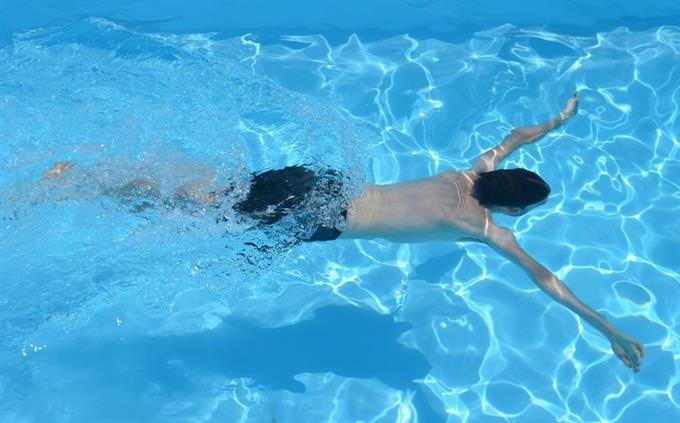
136,189
196,194
140,194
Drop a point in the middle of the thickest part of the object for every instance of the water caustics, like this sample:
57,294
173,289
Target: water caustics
208,329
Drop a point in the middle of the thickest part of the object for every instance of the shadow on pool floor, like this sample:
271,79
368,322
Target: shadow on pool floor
343,340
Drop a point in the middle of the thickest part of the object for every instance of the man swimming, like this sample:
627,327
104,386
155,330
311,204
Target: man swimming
452,206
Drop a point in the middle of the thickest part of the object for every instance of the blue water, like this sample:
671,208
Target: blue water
169,316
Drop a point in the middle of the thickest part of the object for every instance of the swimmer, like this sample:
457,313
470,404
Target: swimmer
452,206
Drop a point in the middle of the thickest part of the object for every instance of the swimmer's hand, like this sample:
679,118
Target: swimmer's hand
628,350
570,109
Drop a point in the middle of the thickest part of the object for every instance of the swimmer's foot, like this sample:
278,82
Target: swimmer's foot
58,170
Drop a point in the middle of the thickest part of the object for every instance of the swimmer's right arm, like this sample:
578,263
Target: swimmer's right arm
626,348
523,135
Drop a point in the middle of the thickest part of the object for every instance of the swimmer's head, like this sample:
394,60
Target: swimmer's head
511,191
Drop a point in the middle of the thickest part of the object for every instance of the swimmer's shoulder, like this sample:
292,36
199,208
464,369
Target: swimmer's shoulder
462,183
469,217
466,175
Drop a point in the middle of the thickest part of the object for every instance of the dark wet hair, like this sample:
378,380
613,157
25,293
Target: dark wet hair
509,188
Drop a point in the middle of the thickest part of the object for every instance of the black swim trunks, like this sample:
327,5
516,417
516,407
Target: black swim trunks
275,194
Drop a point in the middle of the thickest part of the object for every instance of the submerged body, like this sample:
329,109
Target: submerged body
445,207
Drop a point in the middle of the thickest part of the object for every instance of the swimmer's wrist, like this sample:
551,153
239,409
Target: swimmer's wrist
563,117
613,335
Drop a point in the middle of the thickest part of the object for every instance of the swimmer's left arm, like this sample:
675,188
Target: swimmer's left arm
524,135
626,348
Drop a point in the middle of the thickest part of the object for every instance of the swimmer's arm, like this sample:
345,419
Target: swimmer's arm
521,136
627,349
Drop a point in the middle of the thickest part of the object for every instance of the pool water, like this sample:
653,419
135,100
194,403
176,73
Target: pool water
171,315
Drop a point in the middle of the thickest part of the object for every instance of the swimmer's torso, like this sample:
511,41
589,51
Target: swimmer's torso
437,208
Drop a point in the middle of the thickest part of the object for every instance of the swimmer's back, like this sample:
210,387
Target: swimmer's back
436,208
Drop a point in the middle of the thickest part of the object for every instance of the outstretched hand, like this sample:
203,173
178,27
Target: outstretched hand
628,350
571,108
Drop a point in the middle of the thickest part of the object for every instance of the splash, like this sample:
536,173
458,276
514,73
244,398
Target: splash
175,114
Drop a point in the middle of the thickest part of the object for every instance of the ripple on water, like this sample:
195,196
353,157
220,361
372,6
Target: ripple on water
632,292
507,397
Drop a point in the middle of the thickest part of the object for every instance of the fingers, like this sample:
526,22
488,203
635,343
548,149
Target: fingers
631,354
636,362
640,349
625,360
633,364
635,356
640,352
621,354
